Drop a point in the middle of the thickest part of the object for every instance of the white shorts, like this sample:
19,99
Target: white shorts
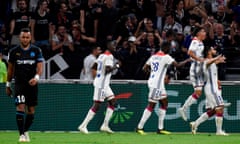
213,99
101,94
196,76
155,95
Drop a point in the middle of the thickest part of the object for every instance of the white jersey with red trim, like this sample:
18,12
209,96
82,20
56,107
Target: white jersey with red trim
212,92
159,63
102,80
197,48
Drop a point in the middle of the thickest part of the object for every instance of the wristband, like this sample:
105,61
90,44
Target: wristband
37,77
8,84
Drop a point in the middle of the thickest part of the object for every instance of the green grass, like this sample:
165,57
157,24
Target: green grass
119,138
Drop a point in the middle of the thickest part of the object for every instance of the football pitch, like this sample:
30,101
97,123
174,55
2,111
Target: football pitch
11,137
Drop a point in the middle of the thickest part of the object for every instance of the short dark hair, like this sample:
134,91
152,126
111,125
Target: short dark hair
206,50
196,30
165,47
25,30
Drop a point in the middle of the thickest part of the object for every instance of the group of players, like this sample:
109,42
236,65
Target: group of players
25,65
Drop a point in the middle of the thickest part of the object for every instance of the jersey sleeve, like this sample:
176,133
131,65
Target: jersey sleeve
109,61
39,55
170,60
193,45
11,57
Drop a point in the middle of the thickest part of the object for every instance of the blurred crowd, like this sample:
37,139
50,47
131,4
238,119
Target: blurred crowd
77,29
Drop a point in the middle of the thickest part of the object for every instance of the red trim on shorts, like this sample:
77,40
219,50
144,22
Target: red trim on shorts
163,107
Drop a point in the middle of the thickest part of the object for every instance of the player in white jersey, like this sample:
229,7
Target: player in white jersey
157,65
214,100
196,75
104,66
87,73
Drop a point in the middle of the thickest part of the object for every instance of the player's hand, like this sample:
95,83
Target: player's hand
8,91
33,81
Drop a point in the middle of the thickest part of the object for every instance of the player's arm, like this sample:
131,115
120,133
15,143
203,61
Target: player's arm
9,78
147,68
218,59
109,69
36,78
94,70
180,64
193,56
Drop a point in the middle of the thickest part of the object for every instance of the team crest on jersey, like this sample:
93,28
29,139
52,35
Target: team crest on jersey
32,54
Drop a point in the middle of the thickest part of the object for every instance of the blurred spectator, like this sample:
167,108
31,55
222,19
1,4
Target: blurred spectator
89,15
20,19
42,28
146,25
160,12
3,39
87,73
192,21
32,5
170,23
180,15
124,29
3,69
74,9
130,57
107,22
81,41
221,42
62,42
63,16
221,16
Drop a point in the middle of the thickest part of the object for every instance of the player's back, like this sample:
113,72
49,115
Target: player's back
102,79
159,64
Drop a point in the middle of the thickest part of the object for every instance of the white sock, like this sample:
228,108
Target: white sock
88,118
201,119
190,100
145,117
108,116
162,113
219,122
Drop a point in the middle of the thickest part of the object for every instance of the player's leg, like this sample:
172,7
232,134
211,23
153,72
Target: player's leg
162,114
219,121
98,99
91,113
20,114
145,116
20,110
29,121
205,116
110,109
197,84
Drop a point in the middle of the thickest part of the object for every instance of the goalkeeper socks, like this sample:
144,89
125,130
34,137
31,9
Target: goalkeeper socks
28,121
146,114
20,121
162,113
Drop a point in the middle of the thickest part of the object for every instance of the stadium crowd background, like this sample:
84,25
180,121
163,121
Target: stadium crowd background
71,28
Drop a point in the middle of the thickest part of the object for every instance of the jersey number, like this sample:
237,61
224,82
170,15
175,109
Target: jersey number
155,66
20,99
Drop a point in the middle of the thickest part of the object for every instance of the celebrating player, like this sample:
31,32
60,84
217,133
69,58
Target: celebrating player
104,66
157,64
196,76
214,100
25,66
